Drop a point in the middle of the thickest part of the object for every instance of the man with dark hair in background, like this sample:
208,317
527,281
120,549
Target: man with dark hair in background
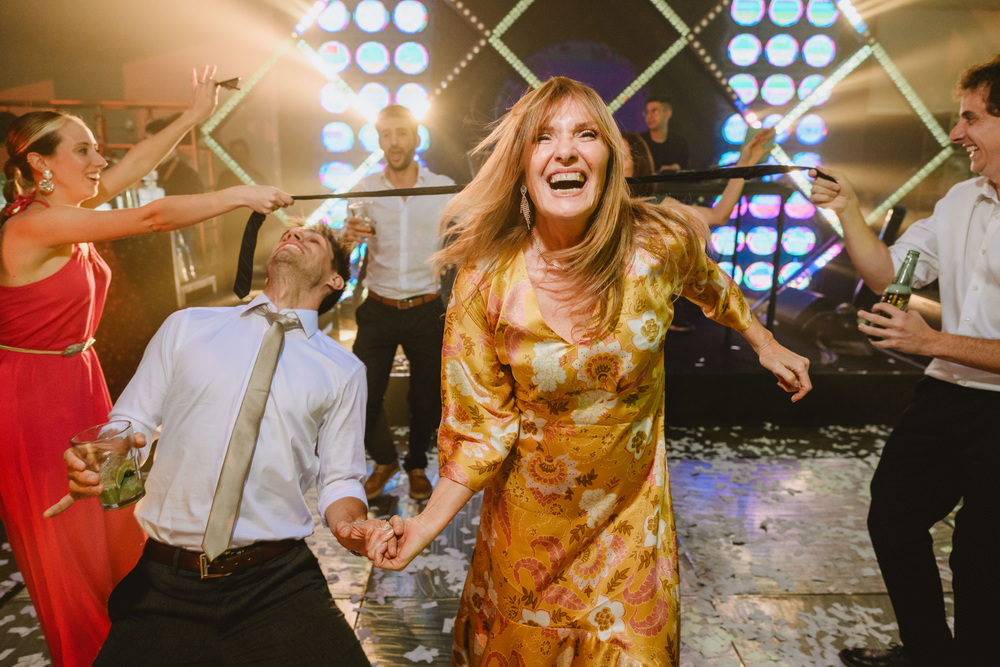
670,151
403,306
943,451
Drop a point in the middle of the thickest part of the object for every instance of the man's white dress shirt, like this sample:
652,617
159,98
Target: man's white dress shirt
191,380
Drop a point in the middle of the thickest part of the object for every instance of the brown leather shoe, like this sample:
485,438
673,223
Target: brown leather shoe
380,475
420,486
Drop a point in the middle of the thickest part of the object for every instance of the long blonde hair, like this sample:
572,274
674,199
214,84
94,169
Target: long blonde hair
487,229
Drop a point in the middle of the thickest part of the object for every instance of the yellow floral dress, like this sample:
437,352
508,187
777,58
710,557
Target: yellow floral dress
576,557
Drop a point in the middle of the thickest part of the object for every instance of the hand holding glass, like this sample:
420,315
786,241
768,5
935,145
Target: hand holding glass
362,211
109,450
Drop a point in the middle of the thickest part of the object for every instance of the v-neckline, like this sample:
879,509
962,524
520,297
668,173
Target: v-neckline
522,266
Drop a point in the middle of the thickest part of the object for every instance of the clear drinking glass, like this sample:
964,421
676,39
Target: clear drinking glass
109,450
362,210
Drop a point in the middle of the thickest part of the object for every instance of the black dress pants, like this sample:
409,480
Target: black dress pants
945,449
420,331
277,613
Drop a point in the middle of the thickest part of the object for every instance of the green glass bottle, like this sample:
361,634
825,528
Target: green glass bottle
899,290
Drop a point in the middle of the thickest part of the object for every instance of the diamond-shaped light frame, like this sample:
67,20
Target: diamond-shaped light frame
688,38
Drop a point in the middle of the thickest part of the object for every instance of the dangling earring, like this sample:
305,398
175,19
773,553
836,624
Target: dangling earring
525,207
46,185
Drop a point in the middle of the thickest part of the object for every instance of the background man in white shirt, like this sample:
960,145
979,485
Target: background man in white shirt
265,600
944,448
403,306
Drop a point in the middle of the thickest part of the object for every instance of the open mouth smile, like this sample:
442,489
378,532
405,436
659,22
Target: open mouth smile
567,182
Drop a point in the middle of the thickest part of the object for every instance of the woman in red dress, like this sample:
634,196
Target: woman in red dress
52,289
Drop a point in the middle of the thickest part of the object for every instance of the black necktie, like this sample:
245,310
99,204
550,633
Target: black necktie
244,270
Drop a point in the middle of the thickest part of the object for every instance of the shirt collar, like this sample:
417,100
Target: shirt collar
987,190
421,177
307,317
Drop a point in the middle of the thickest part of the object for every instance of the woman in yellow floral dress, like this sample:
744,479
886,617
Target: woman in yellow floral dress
554,394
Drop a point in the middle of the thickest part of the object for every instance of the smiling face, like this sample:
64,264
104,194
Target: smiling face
978,132
307,252
566,166
76,164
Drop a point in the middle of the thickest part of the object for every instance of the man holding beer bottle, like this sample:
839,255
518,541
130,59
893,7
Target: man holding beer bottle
944,449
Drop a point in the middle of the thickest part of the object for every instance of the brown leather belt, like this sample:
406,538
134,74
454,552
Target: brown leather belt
234,560
403,304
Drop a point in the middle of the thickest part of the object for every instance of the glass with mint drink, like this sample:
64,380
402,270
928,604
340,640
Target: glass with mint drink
108,449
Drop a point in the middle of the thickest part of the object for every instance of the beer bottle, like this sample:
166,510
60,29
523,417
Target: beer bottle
899,290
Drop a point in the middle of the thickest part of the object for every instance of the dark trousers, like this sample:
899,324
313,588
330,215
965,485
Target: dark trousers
420,331
945,449
277,613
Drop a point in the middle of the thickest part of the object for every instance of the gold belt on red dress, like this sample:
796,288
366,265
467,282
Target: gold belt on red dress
75,348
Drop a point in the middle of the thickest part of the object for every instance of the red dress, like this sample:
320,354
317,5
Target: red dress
71,562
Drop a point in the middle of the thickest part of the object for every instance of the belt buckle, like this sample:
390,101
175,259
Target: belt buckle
77,348
204,564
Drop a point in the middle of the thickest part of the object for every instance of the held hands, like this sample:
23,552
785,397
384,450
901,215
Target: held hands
901,330
390,545
369,537
83,482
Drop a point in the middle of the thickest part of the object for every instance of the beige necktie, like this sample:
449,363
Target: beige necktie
239,454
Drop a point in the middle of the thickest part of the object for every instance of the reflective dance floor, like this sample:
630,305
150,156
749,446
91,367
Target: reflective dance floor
776,565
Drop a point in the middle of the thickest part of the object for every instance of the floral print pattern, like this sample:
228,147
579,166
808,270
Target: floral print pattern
576,557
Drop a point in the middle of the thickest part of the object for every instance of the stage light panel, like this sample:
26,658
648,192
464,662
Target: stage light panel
414,97
810,130
765,207
734,272
371,16
798,240
734,129
372,98
335,55
781,50
338,137
777,89
372,58
797,207
334,99
819,51
411,58
758,276
785,13
410,16
745,86
721,241
788,270
744,50
807,159
747,12
762,239
773,120
809,84
822,13
368,137
334,17
334,174
728,158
